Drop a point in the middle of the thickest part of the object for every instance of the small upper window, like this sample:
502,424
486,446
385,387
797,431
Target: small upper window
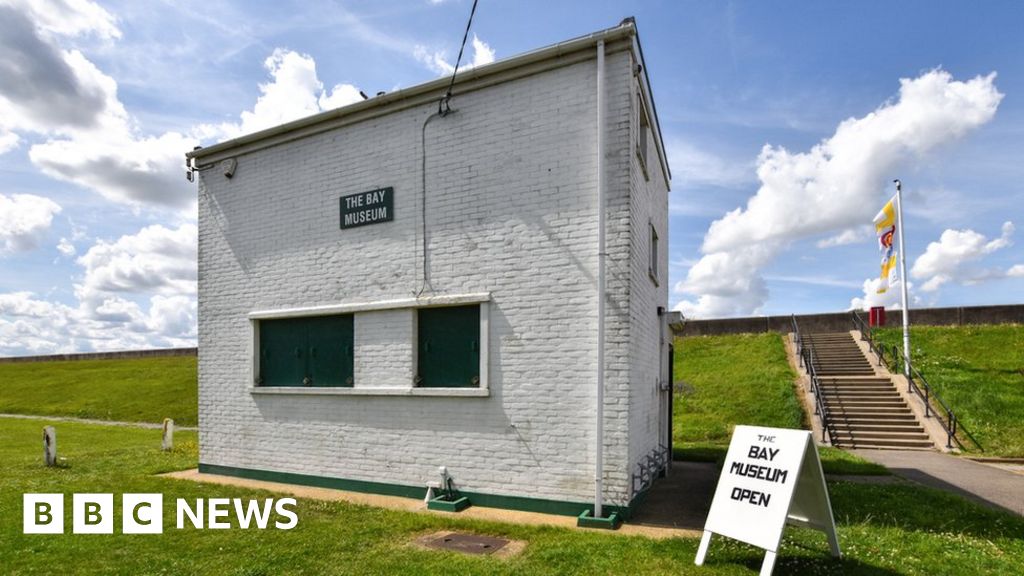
643,133
652,266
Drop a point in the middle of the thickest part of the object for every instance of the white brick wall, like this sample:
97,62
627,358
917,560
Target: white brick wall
649,337
385,348
511,211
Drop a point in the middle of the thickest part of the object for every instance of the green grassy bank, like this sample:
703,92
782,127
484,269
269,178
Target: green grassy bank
979,372
134,390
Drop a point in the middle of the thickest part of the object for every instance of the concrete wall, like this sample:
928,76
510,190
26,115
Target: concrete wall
954,316
511,182
103,355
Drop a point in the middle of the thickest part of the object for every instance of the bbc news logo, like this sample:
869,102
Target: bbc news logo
144,513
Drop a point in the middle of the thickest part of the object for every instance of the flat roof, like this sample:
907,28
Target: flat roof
469,79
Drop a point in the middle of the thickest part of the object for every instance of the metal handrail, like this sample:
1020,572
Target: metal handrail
806,356
952,423
917,384
865,336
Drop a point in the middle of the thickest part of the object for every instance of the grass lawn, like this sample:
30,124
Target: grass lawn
739,379
882,529
979,372
134,390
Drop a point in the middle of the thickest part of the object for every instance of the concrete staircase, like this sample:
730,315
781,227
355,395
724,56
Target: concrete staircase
863,404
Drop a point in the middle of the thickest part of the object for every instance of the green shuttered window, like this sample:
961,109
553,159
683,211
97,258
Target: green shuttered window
312,351
449,347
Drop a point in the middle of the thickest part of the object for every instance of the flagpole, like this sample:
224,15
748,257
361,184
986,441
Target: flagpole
903,279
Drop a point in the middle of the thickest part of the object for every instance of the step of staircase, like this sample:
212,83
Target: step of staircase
855,387
866,411
874,417
909,426
850,442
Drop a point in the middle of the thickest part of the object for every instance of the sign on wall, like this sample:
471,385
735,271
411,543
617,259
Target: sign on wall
772,477
371,207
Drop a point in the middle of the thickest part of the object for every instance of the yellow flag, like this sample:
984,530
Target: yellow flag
885,229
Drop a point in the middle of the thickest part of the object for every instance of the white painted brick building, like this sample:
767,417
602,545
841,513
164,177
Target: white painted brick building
326,354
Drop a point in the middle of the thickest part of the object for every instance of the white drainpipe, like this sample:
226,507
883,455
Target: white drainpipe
599,432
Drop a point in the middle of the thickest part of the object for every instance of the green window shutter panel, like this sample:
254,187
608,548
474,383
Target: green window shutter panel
282,352
449,347
330,350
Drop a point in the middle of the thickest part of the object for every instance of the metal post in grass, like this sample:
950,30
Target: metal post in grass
50,445
168,439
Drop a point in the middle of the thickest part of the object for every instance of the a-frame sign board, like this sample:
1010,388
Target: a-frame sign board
772,477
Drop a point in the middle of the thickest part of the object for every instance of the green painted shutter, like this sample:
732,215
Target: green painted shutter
282,352
449,346
330,350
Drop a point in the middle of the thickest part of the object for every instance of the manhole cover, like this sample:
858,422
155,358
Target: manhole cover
466,543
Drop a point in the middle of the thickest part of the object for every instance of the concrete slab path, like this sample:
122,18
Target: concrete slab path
414,505
984,484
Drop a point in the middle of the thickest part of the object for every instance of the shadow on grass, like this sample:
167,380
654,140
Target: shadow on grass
833,460
795,557
914,508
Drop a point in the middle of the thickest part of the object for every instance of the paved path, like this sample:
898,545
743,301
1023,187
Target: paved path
987,485
148,425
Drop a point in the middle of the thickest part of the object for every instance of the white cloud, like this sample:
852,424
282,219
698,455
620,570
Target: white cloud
340,95
66,248
69,17
848,236
949,259
131,170
156,265
47,89
695,167
29,325
482,53
836,185
1016,271
721,286
156,260
8,140
433,60
437,62
891,299
60,94
24,220
294,92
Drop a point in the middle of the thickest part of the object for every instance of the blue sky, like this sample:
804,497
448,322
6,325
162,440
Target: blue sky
795,107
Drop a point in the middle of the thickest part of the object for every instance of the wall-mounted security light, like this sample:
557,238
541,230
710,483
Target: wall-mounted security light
228,167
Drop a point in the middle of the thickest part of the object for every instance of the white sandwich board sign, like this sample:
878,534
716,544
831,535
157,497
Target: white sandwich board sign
772,477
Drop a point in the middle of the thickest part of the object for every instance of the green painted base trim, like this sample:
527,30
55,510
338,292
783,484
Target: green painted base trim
586,520
445,505
541,505
363,486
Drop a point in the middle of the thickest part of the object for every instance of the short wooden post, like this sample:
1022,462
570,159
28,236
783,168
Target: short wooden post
168,440
50,445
